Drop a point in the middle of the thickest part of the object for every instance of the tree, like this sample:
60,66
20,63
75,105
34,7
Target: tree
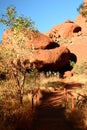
83,10
16,65
21,28
12,20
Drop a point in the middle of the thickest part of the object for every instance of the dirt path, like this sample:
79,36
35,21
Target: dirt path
50,115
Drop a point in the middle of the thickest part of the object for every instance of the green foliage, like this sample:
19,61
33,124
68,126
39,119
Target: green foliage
80,69
21,28
83,10
22,22
9,18
13,74
16,22
72,63
79,8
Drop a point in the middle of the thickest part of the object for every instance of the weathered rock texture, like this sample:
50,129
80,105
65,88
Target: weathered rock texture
47,51
85,1
46,54
81,21
40,41
28,38
79,48
65,30
53,59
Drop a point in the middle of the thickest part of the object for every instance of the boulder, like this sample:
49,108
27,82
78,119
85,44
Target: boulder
27,38
40,41
79,49
65,30
53,59
45,54
85,1
81,21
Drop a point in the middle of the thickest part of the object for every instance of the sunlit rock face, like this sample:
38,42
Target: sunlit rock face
46,53
52,59
64,30
85,1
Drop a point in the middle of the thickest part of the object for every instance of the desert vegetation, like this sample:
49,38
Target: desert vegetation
23,88
83,9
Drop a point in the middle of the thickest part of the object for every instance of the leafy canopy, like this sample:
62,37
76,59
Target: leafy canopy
83,10
12,20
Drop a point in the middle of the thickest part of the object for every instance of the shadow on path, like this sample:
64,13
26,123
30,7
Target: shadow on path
51,116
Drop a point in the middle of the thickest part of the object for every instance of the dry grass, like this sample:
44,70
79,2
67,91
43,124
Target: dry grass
13,116
20,118
78,117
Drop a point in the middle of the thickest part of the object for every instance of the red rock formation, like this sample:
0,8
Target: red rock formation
79,48
40,41
28,38
53,59
65,30
81,21
43,54
85,1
